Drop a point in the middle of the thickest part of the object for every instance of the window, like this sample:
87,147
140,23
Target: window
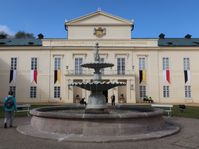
13,89
57,64
142,91
78,68
57,92
165,91
33,63
120,66
13,63
187,91
33,92
142,63
186,62
165,63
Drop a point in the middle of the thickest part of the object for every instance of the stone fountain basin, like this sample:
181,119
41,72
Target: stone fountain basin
98,86
71,120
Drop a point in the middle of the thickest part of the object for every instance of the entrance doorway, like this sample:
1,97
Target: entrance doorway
105,93
122,92
77,93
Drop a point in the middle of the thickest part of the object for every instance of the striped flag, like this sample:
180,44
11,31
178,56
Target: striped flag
57,76
33,76
166,76
187,75
142,75
13,74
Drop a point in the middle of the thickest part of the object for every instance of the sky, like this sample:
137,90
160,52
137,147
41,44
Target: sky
174,18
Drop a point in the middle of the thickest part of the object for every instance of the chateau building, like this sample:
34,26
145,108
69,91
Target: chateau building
164,69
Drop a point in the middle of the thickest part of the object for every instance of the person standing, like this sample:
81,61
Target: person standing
113,100
83,102
9,106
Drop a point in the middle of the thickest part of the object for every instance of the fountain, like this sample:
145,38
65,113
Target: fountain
96,100
98,122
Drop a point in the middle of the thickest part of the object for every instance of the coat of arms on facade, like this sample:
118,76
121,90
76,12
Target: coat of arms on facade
99,32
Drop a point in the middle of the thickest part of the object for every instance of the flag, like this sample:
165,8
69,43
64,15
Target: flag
13,74
166,75
59,75
187,75
33,76
142,75
55,76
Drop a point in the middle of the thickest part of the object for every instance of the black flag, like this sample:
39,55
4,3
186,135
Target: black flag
185,76
140,76
11,76
55,76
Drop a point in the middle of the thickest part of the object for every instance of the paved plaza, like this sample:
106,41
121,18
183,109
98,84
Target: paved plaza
187,138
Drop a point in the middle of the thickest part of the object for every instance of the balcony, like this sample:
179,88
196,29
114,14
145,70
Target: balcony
104,72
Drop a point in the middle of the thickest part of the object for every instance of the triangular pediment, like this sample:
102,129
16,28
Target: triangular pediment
99,17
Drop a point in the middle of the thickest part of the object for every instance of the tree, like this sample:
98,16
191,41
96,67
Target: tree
40,36
187,36
162,36
22,34
3,35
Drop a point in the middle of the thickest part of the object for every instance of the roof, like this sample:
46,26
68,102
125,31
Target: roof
178,42
20,42
99,12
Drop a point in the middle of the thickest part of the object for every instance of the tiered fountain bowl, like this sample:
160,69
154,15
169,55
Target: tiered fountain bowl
98,122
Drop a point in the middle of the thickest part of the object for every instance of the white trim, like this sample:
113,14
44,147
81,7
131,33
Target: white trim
90,15
122,55
83,55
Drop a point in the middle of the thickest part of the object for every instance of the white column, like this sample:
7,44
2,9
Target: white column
128,91
69,92
83,90
132,91
115,90
110,93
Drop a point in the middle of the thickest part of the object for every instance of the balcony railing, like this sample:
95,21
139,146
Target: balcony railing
104,72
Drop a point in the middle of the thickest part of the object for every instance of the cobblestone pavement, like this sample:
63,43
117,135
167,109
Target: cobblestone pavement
187,138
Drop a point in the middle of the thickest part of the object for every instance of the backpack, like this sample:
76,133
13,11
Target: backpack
9,103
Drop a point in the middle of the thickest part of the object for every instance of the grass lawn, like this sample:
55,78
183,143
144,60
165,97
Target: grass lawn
189,112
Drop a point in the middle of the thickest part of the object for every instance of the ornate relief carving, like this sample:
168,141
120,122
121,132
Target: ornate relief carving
99,32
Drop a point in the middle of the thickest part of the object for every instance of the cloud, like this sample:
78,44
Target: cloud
6,29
